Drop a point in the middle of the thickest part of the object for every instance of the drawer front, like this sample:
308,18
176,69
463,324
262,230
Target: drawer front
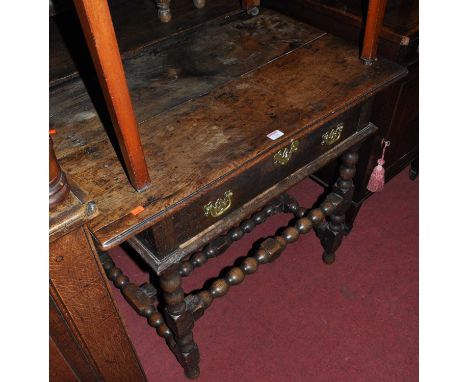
235,192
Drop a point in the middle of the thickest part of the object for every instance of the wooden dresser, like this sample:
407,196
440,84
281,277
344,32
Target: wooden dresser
233,109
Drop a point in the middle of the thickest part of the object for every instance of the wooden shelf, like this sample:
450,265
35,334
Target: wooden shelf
206,101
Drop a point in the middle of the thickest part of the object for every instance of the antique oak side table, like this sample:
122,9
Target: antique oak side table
231,115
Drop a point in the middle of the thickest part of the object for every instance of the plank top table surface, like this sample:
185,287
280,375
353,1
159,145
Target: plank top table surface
205,102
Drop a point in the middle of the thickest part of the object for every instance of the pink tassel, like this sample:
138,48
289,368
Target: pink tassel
377,178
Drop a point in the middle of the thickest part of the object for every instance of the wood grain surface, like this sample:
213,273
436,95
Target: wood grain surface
79,289
66,356
150,252
59,370
249,182
185,66
136,25
71,213
193,146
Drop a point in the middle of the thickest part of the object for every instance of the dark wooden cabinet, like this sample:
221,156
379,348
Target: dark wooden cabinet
396,110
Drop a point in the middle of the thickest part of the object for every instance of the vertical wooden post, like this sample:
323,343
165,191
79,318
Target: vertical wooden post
248,4
374,21
85,323
58,185
97,26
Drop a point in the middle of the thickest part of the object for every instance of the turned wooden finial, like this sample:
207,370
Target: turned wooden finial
58,185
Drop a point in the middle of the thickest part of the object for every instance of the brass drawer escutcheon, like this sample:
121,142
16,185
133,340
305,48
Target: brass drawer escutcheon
220,206
333,135
284,155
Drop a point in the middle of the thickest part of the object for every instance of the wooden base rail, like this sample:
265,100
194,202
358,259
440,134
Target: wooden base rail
181,310
269,250
283,204
143,299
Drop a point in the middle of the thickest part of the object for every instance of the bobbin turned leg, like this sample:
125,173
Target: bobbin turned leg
180,320
332,233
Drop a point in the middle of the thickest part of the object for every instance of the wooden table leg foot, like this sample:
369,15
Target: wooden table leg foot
328,258
331,237
192,373
180,321
414,169
332,234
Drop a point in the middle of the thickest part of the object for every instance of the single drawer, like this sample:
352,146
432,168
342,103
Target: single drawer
225,197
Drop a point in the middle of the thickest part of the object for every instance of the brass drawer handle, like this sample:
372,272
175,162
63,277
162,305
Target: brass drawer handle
284,155
220,206
332,135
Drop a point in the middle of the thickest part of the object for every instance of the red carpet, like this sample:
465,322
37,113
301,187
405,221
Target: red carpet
299,319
